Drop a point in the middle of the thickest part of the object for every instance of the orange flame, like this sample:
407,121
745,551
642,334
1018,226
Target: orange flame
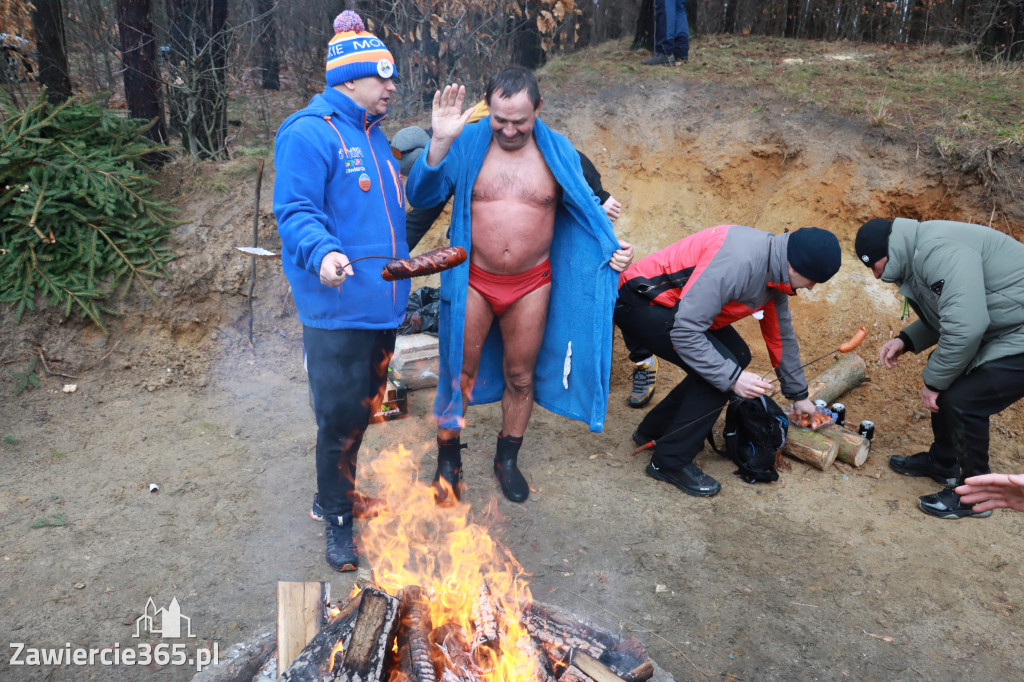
452,559
340,646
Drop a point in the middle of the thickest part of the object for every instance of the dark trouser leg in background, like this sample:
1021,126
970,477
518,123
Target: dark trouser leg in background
347,372
961,426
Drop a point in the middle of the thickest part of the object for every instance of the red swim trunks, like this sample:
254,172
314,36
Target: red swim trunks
501,291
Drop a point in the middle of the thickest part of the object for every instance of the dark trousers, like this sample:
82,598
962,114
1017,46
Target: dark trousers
683,419
671,30
347,371
961,426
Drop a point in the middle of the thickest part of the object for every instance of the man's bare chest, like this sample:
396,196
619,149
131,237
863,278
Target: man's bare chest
523,180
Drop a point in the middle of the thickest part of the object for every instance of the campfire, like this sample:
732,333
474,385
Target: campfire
445,602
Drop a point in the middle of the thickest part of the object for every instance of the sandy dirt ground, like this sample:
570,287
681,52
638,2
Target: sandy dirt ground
822,575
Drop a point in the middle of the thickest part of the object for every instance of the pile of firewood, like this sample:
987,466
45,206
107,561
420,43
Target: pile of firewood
386,638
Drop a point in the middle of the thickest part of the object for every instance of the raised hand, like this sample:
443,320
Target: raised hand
447,116
447,119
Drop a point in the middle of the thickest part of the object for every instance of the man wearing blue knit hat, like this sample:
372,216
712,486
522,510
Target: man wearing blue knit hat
681,302
337,198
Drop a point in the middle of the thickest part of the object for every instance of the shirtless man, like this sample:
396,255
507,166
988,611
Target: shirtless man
512,225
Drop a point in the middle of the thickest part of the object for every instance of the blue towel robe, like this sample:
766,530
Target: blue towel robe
583,285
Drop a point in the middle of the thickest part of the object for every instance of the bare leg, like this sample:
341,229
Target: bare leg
449,450
522,330
478,322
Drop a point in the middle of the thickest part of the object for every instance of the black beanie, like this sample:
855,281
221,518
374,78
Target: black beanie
814,253
872,243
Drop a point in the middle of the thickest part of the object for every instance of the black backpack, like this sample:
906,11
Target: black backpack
755,430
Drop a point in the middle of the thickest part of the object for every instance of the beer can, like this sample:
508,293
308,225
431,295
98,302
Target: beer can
821,405
840,411
867,429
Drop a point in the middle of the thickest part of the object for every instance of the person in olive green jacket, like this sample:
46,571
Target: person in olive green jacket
966,284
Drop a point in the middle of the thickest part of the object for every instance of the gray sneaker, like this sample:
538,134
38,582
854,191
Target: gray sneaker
644,378
659,59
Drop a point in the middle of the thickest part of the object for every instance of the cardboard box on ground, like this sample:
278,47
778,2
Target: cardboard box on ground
413,366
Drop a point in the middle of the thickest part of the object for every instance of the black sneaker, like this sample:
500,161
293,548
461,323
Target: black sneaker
341,546
921,464
946,504
659,59
644,378
690,479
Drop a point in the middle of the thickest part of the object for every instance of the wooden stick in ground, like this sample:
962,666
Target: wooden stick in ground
312,664
414,636
843,375
372,638
301,613
255,241
853,447
811,447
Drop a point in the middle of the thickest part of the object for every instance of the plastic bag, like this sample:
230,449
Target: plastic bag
422,312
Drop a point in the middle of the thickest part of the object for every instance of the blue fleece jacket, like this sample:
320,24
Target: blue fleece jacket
574,365
337,189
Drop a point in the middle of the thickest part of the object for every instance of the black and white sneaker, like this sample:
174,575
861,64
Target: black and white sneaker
946,504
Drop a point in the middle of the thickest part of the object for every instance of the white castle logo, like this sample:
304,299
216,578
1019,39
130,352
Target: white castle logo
169,618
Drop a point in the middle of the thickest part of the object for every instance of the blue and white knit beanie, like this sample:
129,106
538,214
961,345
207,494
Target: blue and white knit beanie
356,53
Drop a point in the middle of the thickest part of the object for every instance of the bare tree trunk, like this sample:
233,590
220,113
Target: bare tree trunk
643,38
143,88
730,16
48,22
269,60
198,92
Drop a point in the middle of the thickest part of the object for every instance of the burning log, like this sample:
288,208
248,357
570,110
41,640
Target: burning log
561,633
414,637
641,673
574,674
541,672
373,637
485,621
314,661
590,667
454,654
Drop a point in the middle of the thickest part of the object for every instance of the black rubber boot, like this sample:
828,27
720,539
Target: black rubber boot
511,480
449,469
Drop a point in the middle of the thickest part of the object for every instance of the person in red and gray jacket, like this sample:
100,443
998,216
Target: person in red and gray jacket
680,303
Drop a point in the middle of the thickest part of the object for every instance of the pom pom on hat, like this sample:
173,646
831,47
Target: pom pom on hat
348,21
355,53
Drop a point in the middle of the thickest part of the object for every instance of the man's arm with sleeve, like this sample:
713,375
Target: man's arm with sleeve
789,371
299,189
701,302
